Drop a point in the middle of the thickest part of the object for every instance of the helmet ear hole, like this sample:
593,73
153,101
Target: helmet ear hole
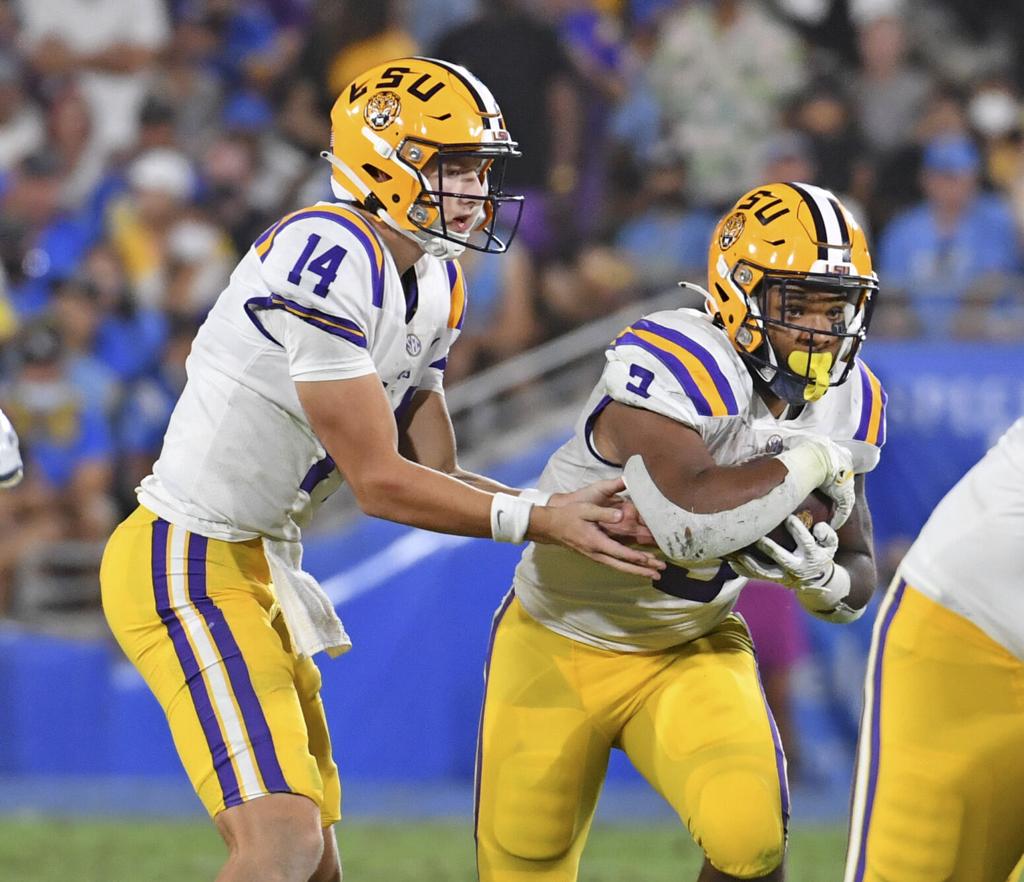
378,174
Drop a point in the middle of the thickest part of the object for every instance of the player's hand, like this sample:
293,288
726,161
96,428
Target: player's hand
603,493
838,485
581,526
807,566
10,456
631,528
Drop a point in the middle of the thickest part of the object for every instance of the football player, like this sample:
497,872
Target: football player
10,456
322,360
939,787
721,422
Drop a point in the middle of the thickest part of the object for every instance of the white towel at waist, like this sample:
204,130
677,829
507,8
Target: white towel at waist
313,624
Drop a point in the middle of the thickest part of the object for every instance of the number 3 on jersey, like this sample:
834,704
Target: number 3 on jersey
324,265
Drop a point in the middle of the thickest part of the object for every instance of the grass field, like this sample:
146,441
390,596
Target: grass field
129,851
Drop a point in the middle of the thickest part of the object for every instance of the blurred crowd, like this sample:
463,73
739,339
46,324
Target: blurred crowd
144,144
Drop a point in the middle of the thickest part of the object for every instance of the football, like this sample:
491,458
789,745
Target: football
815,508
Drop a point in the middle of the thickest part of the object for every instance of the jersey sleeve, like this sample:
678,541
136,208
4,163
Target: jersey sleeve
324,269
860,425
663,368
433,376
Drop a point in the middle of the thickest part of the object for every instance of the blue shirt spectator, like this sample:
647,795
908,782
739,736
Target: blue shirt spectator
60,431
958,245
666,240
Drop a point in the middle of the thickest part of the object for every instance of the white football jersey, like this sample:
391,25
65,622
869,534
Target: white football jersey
679,364
317,297
970,554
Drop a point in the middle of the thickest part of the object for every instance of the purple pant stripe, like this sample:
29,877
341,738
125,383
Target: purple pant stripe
498,616
238,672
190,668
780,757
876,727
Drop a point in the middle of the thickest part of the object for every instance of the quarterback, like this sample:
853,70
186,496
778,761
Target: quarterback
321,361
721,422
10,455
939,787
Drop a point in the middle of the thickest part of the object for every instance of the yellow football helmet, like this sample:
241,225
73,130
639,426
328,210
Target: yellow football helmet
398,117
792,238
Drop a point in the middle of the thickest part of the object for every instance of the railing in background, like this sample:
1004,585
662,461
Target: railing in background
497,412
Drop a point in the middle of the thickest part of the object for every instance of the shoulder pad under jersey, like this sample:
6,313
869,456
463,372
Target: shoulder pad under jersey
325,265
679,364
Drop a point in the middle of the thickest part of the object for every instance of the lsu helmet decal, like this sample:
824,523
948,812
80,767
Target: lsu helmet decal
797,241
412,116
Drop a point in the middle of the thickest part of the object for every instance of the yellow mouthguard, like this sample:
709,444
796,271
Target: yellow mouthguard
815,366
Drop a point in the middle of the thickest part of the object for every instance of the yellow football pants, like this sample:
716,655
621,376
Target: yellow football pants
198,618
692,719
939,790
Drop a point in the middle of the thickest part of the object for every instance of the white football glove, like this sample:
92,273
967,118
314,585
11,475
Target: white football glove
805,568
838,484
820,584
10,456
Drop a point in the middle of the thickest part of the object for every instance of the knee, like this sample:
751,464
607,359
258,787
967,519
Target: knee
534,832
284,845
739,825
531,819
296,849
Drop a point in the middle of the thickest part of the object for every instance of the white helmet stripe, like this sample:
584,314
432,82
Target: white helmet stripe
834,228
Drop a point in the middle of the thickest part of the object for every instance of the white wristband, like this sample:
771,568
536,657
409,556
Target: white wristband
510,517
537,497
828,600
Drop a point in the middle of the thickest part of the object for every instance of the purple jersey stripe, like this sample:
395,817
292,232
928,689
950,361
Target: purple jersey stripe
251,306
264,235
376,270
403,405
453,275
588,429
440,364
876,726
881,422
865,405
312,313
317,473
412,295
324,321
498,616
702,355
678,369
238,672
190,668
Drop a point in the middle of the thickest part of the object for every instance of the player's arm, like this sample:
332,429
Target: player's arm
856,552
697,509
426,436
353,420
